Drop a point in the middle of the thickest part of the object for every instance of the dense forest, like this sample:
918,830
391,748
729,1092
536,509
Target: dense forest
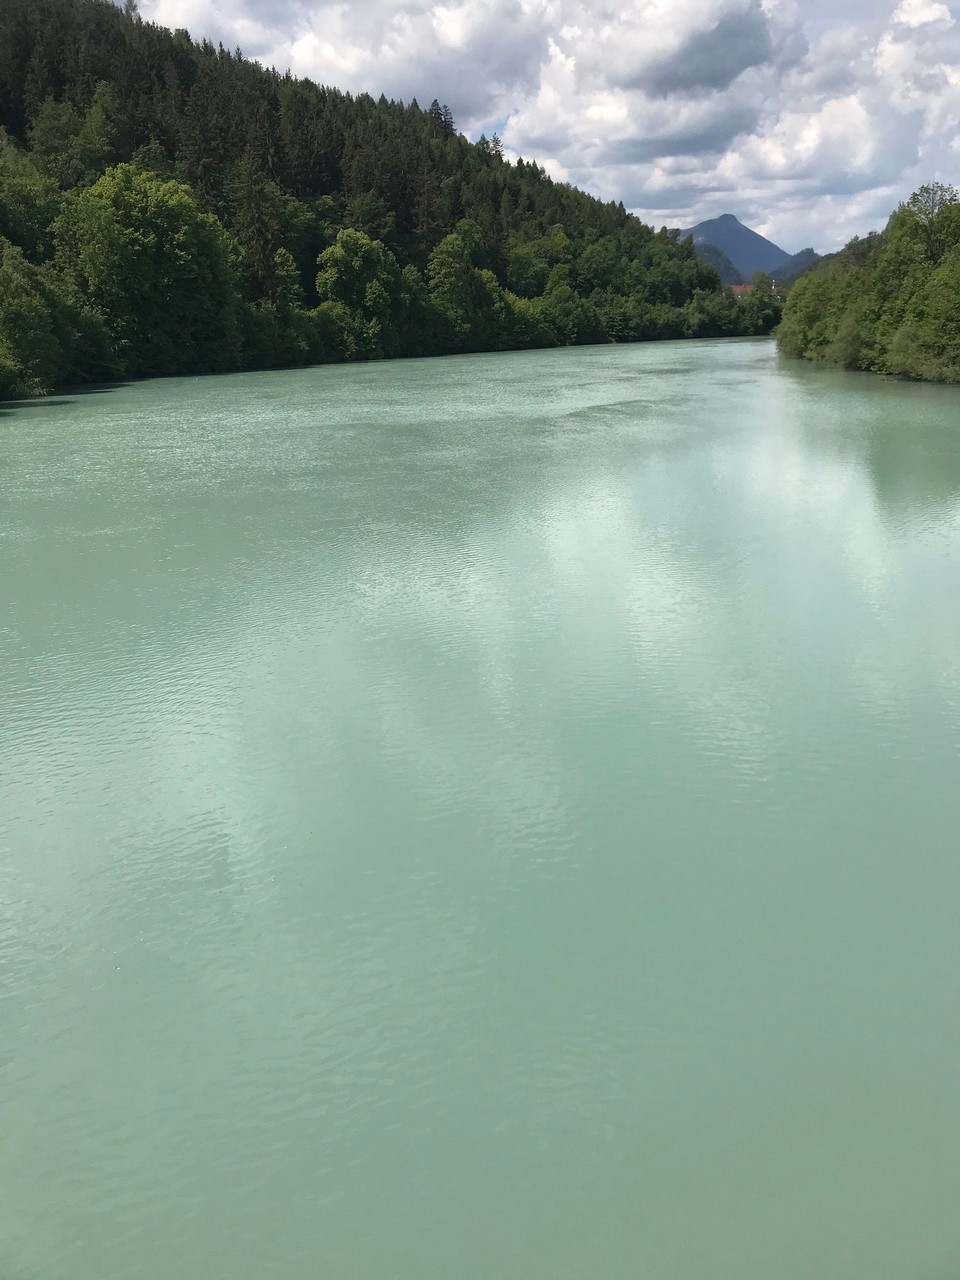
890,302
167,206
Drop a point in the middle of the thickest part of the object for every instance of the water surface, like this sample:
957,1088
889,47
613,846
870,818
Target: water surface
490,818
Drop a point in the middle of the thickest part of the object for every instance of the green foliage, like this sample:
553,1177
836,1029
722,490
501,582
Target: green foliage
177,209
29,202
359,287
369,213
74,149
889,303
255,207
46,338
762,310
159,271
527,267
12,383
467,300
707,316
569,318
34,350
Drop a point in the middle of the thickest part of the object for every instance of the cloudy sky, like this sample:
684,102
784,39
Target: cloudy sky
809,121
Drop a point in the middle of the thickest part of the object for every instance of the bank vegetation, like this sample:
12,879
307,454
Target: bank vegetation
887,303
170,207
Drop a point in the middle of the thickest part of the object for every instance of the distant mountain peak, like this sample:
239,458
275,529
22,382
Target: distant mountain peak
747,249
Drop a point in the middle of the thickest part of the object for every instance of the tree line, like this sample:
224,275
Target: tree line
170,207
889,302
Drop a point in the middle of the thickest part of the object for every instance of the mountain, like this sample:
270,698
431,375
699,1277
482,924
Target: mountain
746,249
716,258
788,271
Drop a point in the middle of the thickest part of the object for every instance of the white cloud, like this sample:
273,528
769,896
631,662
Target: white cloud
808,125
918,13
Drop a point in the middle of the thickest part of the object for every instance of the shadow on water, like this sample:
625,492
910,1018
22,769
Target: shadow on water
906,478
62,400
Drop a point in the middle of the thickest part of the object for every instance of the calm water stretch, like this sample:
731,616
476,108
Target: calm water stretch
494,818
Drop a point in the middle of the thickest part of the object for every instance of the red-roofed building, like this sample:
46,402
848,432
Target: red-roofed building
741,291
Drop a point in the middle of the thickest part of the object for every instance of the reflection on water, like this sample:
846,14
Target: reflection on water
488,816
902,433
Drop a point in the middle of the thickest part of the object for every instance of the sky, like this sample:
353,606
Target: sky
809,121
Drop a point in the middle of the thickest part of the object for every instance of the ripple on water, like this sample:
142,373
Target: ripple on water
487,816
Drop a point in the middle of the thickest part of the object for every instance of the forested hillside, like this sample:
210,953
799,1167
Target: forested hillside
796,265
170,207
716,258
889,303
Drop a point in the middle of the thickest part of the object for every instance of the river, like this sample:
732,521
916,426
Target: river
494,817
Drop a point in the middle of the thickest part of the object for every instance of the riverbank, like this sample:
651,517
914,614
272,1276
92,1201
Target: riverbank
889,303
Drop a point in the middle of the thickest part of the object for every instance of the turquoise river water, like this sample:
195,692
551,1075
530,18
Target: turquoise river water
494,818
